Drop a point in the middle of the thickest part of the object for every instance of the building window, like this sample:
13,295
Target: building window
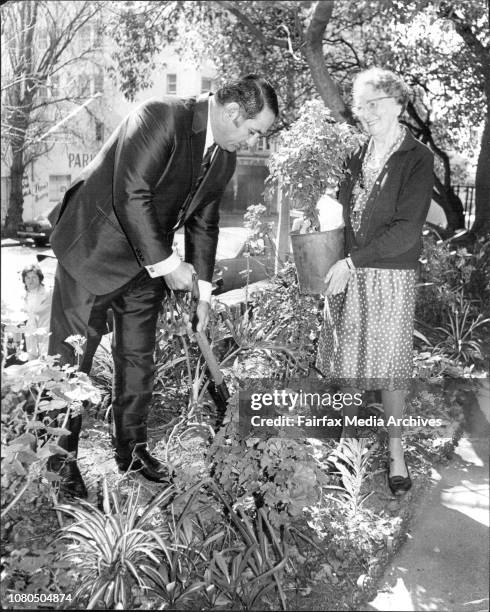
98,36
54,85
42,41
5,196
49,88
99,130
99,81
206,84
84,85
42,92
85,39
90,84
58,184
263,144
171,84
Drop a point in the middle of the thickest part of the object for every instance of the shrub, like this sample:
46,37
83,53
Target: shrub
114,550
38,398
453,293
280,323
168,554
311,156
279,474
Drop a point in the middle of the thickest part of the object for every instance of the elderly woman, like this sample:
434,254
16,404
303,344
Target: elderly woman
37,307
385,197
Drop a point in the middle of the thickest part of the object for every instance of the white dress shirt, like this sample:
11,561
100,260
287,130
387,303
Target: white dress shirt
166,266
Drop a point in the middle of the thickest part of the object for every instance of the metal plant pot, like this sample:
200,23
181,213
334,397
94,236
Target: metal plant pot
314,254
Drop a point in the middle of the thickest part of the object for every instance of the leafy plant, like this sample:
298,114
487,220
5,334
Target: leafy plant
280,323
13,349
38,399
164,550
351,458
279,474
310,157
116,549
453,293
180,576
260,231
102,372
246,573
460,340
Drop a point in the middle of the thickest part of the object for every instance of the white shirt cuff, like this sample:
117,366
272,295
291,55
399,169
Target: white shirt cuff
205,289
166,266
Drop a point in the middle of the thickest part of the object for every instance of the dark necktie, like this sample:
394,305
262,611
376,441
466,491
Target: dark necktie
206,162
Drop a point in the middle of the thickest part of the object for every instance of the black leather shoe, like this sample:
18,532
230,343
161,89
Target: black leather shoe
400,484
141,461
71,484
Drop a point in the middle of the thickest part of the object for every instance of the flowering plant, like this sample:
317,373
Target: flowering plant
311,156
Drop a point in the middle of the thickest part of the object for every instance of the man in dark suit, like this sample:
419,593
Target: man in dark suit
164,167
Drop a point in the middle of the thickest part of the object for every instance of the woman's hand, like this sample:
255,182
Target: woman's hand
301,225
337,277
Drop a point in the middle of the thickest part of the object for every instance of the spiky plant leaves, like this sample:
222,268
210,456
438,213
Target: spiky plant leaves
114,548
351,458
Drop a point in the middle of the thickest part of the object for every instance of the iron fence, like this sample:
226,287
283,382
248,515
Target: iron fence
466,193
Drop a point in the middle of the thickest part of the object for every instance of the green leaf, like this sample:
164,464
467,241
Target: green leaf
58,431
218,558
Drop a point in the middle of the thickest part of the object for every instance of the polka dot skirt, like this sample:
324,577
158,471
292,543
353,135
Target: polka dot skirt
367,343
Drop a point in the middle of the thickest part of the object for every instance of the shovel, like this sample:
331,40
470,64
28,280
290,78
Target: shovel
217,387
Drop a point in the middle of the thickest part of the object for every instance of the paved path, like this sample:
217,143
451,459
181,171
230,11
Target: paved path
444,563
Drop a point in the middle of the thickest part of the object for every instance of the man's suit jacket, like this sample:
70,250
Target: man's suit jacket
120,213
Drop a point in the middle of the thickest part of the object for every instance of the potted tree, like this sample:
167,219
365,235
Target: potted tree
308,165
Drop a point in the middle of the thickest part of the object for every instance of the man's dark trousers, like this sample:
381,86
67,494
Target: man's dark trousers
135,309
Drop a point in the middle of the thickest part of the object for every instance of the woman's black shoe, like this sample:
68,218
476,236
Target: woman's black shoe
400,484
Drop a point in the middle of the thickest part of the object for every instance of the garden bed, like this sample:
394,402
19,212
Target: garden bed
333,562
250,522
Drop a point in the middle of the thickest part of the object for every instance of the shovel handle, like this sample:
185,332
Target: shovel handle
200,337
217,389
209,357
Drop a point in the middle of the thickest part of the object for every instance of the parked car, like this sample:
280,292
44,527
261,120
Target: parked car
233,272
38,229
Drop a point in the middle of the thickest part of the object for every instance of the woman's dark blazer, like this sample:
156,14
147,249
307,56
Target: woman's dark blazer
120,213
390,235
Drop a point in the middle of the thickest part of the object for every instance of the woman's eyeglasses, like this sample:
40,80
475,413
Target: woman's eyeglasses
370,106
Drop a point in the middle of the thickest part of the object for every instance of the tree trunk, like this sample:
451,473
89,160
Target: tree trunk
16,199
482,183
19,121
481,54
443,192
450,203
20,97
313,54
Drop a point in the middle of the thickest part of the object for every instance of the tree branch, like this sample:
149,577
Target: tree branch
313,52
252,28
429,139
473,43
59,44
463,28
